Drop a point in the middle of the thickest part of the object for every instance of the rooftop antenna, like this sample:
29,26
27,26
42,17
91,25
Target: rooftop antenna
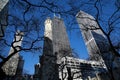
59,16
54,13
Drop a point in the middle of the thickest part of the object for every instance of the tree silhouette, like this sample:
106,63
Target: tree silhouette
28,16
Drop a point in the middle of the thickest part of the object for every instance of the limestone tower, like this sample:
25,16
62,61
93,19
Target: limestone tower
11,66
56,38
56,46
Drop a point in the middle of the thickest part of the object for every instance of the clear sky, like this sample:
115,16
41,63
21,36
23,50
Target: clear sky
75,37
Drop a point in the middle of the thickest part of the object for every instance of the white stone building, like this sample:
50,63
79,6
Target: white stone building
15,64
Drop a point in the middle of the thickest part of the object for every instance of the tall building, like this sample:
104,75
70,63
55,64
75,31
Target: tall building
3,16
56,46
94,38
97,44
13,64
56,33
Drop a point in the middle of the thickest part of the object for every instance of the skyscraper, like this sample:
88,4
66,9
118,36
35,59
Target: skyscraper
61,45
56,46
94,38
55,31
97,44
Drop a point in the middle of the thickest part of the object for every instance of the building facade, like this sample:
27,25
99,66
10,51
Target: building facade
97,44
14,65
78,69
93,37
56,33
56,46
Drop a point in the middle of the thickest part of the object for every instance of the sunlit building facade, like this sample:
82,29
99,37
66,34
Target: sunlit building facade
14,65
93,36
97,44
56,46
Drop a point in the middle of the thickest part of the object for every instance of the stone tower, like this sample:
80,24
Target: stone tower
61,45
56,46
11,66
94,39
56,38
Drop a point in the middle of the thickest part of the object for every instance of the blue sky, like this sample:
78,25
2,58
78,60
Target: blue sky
75,37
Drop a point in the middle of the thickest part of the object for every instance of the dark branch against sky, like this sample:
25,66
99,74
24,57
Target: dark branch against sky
29,16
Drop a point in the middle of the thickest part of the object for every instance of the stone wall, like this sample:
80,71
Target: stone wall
79,69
